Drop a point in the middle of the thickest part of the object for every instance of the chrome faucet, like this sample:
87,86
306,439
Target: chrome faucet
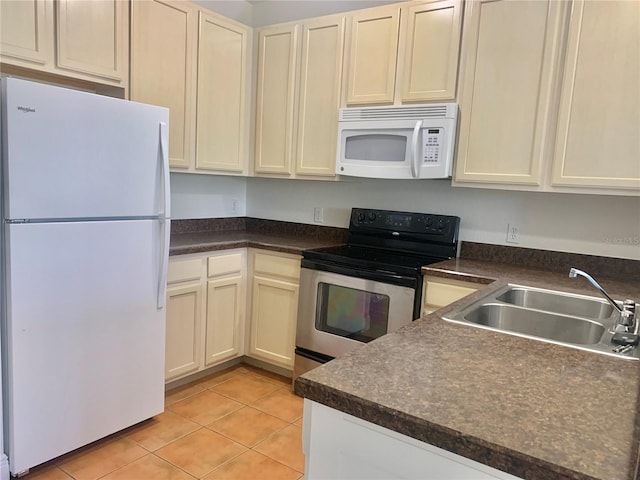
627,312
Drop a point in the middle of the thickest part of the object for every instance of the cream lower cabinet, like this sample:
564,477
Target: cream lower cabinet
206,301
77,39
439,292
184,317
275,281
338,445
226,301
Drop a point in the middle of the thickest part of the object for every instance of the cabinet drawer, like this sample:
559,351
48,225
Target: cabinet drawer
224,264
183,270
276,265
443,293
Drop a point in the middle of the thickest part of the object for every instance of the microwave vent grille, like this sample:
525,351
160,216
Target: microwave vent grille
401,112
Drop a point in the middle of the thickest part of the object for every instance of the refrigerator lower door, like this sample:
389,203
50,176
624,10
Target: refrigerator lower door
85,339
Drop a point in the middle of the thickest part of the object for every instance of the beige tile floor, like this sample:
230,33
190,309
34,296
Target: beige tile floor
242,423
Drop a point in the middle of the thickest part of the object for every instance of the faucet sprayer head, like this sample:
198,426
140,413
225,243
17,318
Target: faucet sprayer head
573,273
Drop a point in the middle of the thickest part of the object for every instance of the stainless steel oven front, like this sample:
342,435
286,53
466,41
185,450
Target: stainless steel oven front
341,307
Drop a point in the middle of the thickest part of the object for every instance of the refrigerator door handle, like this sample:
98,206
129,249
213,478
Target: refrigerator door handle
164,220
164,159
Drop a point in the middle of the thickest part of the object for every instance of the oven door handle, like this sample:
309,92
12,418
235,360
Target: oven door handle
375,275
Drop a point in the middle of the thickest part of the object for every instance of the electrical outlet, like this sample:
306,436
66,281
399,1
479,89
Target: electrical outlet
513,234
234,205
318,215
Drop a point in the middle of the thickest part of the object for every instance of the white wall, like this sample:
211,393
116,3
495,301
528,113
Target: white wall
266,12
239,10
207,196
277,11
587,224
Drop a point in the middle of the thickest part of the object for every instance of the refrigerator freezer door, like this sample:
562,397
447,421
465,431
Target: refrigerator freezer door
85,337
71,154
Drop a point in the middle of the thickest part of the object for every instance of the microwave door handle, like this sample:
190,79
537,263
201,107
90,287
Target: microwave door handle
415,164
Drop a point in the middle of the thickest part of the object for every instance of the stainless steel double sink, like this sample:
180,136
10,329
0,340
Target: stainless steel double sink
562,318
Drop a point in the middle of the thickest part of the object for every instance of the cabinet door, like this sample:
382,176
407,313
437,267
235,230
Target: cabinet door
277,59
26,33
184,306
162,67
373,50
440,292
508,81
320,79
221,94
92,38
225,299
431,46
274,310
598,140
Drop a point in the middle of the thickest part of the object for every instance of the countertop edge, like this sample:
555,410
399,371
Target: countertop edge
471,447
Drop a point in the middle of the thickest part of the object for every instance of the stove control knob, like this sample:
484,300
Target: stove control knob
372,216
428,221
361,217
441,225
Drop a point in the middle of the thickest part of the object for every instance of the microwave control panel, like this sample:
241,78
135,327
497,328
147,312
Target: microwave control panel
432,145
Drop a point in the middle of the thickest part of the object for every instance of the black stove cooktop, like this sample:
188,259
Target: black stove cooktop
390,241
373,258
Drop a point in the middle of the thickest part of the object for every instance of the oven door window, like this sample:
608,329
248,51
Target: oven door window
351,313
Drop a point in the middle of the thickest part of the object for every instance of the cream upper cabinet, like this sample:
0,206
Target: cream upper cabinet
26,33
93,38
373,49
274,307
319,99
85,40
403,53
598,134
163,49
221,124
431,43
226,300
275,99
508,72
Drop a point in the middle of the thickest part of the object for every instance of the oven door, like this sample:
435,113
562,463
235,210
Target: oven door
340,308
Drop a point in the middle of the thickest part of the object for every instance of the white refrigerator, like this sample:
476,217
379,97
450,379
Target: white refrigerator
85,210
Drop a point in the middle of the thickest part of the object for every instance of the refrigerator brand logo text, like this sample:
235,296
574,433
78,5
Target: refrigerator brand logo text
26,109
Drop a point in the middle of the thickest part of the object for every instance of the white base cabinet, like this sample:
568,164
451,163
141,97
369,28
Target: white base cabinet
338,445
440,292
206,301
274,307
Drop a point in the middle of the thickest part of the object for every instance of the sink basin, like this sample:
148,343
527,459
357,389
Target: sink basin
538,324
579,306
568,319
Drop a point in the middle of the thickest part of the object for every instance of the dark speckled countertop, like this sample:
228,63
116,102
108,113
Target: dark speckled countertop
195,236
533,409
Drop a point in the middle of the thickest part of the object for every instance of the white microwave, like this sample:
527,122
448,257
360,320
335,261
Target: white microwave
408,141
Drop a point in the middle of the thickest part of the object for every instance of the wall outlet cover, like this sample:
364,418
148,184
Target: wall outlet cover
513,235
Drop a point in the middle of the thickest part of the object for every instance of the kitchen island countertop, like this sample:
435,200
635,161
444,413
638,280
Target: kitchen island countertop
530,408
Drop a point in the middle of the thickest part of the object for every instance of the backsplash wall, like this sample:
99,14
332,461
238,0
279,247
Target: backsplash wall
588,224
